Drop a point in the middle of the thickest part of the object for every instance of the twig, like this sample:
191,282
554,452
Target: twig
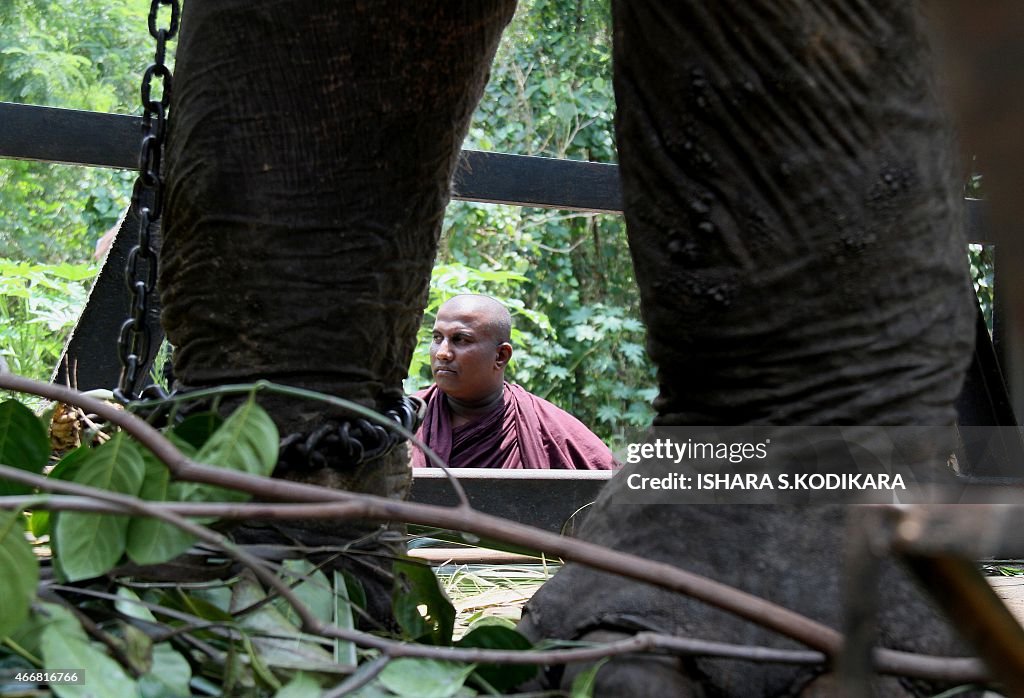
366,673
886,661
166,452
815,635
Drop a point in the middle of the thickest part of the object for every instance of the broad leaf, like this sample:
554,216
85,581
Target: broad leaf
503,677
301,686
103,676
420,605
20,572
151,541
69,465
197,429
45,615
247,442
91,544
23,444
169,676
424,678
277,641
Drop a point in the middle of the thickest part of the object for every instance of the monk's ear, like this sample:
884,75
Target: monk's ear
502,355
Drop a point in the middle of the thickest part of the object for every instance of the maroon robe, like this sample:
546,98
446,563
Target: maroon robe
523,431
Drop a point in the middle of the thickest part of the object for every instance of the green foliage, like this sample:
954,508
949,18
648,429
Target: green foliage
39,304
424,678
241,640
20,572
583,684
150,541
246,441
982,260
91,544
89,54
568,276
23,443
498,637
421,608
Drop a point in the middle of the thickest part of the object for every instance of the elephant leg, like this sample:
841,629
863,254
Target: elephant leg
309,157
793,216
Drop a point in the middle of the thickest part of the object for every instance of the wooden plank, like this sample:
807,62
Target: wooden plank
1011,591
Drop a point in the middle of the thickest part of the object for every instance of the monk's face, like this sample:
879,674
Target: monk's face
468,363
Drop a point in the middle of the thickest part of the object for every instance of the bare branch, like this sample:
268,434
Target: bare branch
345,505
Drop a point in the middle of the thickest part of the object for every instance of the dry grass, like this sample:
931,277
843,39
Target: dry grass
491,591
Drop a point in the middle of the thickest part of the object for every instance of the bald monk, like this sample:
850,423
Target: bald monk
474,419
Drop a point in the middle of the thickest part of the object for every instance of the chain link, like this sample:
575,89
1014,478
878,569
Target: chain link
351,442
135,339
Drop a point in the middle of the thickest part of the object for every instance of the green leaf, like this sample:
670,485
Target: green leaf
276,641
24,444
503,677
151,541
197,429
39,523
344,651
20,575
420,605
91,544
247,442
301,686
583,684
169,676
310,586
29,635
69,465
424,678
103,676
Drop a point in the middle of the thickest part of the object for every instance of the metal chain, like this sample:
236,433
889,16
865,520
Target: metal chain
135,340
351,442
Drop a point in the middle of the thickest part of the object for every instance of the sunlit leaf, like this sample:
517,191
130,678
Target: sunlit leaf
91,544
277,641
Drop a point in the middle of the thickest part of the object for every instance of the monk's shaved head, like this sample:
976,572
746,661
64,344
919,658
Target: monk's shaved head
495,316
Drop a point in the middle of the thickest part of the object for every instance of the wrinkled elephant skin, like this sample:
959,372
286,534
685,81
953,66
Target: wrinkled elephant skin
793,215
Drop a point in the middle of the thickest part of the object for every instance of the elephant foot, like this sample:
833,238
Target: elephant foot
792,556
363,549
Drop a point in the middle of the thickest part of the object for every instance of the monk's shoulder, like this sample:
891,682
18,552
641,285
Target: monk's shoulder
550,410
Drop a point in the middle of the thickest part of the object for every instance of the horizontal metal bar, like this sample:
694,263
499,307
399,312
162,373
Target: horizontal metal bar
48,134
521,180
543,498
29,132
